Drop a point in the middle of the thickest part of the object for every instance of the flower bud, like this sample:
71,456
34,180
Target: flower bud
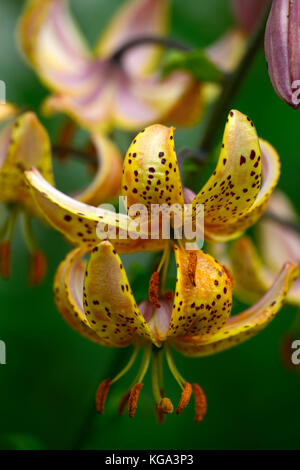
282,47
248,12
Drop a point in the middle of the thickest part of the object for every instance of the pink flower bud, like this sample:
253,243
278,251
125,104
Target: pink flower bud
282,41
248,12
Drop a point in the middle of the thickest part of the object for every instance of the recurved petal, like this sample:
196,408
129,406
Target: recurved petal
203,295
25,143
107,182
68,294
270,175
243,326
280,243
233,198
135,19
55,48
92,105
79,223
251,277
151,174
108,295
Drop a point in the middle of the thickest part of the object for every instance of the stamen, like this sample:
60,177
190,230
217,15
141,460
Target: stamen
137,383
101,395
5,259
185,398
123,403
166,406
133,399
153,292
192,267
38,268
200,403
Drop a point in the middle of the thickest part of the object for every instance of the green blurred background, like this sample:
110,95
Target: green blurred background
48,384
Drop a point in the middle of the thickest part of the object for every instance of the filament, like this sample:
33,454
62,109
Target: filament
127,367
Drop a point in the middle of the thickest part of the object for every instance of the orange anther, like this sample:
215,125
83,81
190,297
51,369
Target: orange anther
153,290
102,394
5,259
185,398
38,268
200,403
133,399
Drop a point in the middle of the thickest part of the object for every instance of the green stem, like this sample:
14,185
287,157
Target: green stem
231,87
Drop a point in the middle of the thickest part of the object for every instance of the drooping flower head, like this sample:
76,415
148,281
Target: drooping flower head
24,143
95,297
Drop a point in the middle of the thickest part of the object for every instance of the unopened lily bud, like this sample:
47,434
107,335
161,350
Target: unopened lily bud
248,13
282,47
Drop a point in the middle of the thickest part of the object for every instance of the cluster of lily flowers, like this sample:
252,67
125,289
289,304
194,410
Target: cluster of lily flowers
103,89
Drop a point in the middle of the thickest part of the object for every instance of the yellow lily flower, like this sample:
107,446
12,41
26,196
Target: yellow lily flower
95,298
98,92
234,196
24,143
255,270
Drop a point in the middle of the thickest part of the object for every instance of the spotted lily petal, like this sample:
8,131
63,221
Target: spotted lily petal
78,222
108,295
243,326
107,182
54,46
137,18
151,174
68,293
67,286
25,143
203,296
233,196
